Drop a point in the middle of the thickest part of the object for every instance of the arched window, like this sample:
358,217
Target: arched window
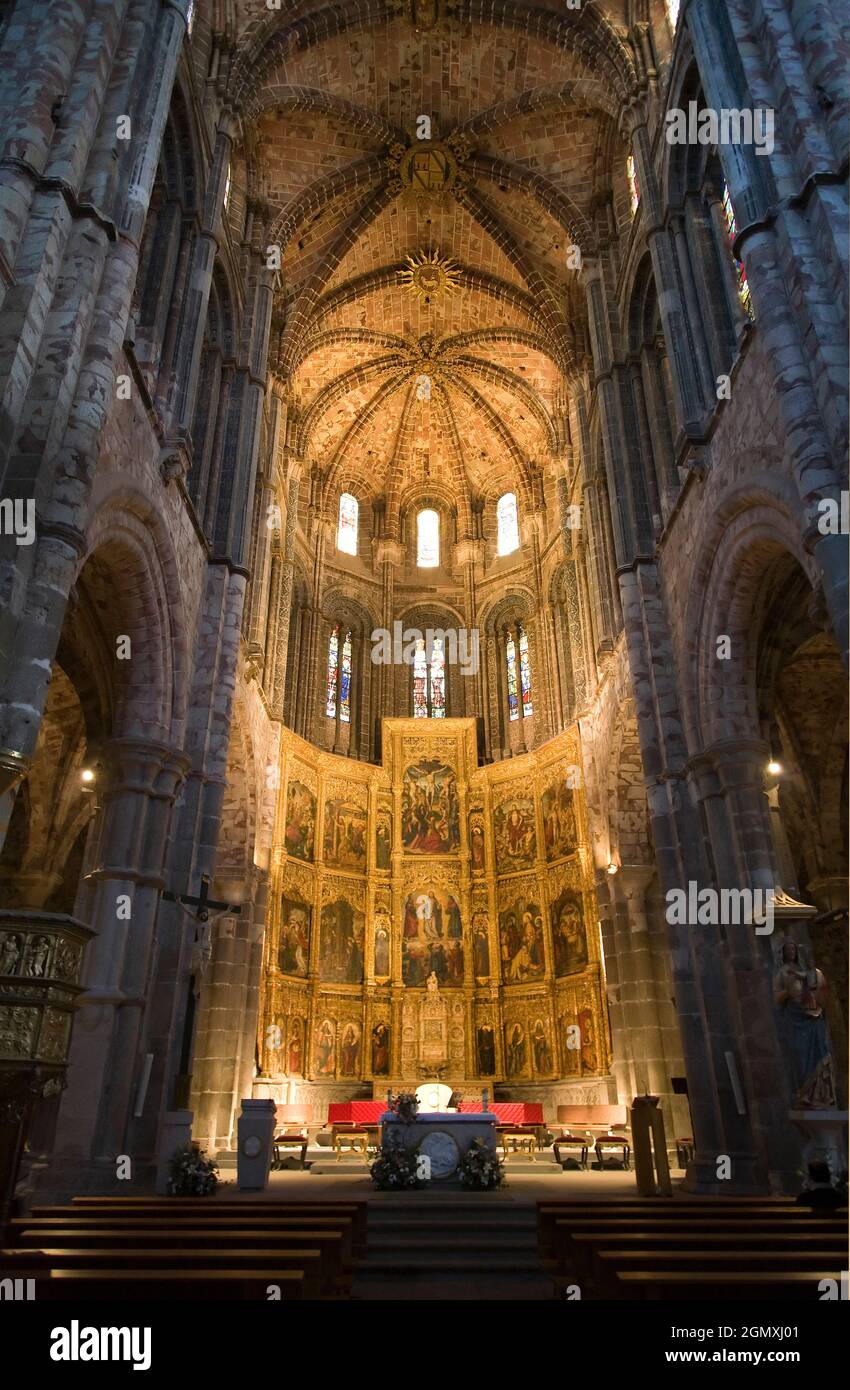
428,539
525,674
513,701
190,16
508,524
519,674
673,12
346,531
429,681
732,232
339,676
634,190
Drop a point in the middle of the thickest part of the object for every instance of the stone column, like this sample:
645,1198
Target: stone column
122,887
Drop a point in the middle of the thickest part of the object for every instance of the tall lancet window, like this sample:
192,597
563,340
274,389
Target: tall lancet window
346,531
508,524
525,674
519,674
740,272
429,681
513,700
673,12
345,681
420,682
428,539
437,675
339,676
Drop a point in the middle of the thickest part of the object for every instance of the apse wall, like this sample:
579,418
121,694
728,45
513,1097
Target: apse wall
429,867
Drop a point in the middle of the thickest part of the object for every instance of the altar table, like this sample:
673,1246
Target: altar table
369,1112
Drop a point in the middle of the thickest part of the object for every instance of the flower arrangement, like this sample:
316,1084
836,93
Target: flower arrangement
481,1167
191,1174
405,1105
395,1168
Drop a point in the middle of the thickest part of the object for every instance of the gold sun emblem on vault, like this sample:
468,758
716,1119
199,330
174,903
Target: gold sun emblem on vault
430,275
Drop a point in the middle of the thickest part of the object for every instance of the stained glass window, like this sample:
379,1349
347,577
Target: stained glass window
513,702
673,12
525,674
428,539
508,524
190,16
740,272
228,184
420,682
634,191
346,531
429,681
333,672
345,681
438,680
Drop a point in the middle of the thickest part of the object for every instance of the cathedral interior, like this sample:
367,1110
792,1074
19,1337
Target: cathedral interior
424,490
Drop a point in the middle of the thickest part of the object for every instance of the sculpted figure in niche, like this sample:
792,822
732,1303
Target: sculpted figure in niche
10,954
800,991
481,950
381,1049
383,841
382,951
325,1049
543,1063
295,1053
515,1052
486,1050
476,843
349,1053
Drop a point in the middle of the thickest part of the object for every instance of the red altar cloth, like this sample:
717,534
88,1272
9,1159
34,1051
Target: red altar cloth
369,1112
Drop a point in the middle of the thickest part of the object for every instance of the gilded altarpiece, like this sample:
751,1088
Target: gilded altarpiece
432,919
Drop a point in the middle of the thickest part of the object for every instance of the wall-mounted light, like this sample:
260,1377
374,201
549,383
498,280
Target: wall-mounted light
613,868
87,776
774,769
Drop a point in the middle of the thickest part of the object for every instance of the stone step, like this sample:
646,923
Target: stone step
459,1289
442,1246
451,1260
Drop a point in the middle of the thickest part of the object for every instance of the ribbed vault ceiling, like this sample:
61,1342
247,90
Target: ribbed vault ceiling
526,102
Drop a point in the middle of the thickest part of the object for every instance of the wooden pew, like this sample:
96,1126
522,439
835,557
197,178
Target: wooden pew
180,1207
140,1285
356,1208
608,1264
273,1227
549,1211
689,1285
585,1247
335,1269
42,1261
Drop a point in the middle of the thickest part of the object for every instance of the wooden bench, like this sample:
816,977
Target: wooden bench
336,1268
42,1261
356,1211
550,1212
277,1225
139,1285
724,1285
584,1247
610,1263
